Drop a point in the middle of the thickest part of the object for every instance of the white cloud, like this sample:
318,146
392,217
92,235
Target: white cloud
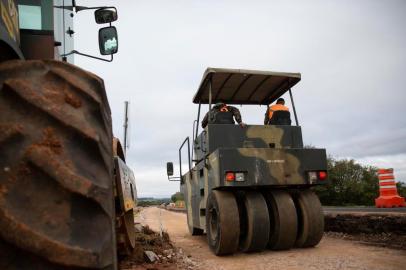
351,99
398,162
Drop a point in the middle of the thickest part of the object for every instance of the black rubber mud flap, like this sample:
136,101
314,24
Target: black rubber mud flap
193,230
254,218
310,218
222,222
283,219
196,231
56,168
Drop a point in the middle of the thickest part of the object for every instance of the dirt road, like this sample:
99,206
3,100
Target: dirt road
331,253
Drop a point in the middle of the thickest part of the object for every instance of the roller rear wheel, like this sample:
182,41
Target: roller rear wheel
222,222
254,221
283,220
310,217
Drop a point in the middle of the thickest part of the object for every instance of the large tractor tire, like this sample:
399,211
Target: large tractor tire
254,219
310,219
56,168
222,222
283,220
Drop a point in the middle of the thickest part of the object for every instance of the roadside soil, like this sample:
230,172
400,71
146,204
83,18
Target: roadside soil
332,253
379,229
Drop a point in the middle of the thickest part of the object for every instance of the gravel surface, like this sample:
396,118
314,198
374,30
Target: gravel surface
331,253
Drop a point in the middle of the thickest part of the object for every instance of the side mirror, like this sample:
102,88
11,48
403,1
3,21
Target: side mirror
169,168
108,40
105,15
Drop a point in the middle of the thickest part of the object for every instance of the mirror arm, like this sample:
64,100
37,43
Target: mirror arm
66,7
80,8
88,55
173,178
76,8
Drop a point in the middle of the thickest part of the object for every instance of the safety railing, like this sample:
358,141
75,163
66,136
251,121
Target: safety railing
187,140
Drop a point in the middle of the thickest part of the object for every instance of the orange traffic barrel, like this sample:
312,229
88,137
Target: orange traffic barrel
388,193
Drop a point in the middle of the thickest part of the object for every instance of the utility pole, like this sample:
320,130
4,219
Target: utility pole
125,126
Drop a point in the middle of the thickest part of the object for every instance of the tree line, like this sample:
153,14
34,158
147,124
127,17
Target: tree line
351,183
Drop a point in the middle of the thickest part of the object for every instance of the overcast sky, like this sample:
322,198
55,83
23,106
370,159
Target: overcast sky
351,54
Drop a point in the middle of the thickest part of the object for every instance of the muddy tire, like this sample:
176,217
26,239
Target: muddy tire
254,221
310,219
56,168
283,220
222,222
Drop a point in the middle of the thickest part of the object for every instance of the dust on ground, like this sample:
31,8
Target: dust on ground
332,252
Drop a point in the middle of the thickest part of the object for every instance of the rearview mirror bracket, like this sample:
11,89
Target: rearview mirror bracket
87,55
76,9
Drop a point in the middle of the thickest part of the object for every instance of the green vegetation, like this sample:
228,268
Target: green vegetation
177,197
402,189
152,201
351,184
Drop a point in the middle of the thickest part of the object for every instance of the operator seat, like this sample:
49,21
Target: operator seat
280,118
223,118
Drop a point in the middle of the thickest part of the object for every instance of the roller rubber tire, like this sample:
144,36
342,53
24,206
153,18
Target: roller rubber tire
222,222
310,219
283,220
254,218
56,168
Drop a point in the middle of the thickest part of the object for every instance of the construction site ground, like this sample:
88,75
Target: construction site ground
334,252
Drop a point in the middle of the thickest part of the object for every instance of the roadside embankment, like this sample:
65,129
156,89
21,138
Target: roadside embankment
383,229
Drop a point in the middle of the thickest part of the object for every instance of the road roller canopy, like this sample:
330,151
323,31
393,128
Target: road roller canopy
241,86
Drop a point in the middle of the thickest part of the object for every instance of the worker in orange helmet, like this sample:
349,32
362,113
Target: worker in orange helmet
277,114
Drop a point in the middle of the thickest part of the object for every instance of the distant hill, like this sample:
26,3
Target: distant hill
147,201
